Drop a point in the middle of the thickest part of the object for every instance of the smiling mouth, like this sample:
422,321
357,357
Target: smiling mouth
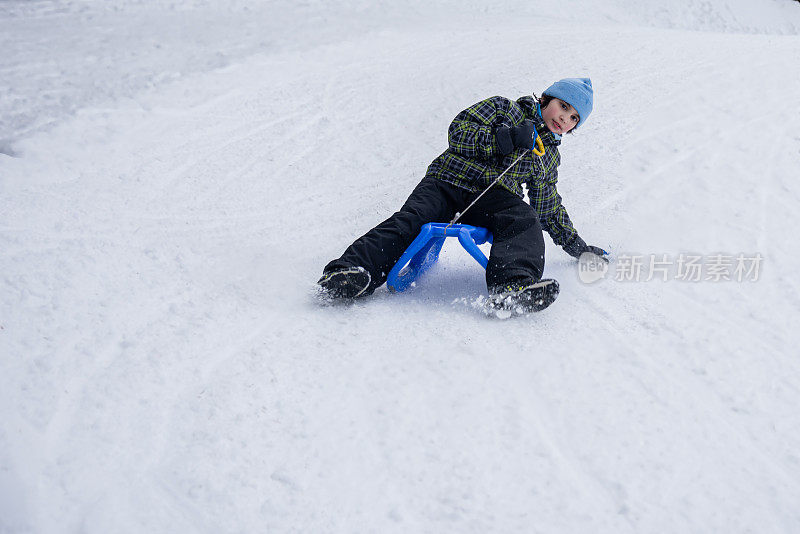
556,125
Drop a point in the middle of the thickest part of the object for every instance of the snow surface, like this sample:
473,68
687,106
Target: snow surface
174,175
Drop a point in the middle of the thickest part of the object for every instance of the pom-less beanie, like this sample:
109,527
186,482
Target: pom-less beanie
577,92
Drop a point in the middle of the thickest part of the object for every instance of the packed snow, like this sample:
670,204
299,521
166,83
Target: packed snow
174,176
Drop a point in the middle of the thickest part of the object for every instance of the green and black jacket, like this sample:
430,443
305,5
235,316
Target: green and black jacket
473,160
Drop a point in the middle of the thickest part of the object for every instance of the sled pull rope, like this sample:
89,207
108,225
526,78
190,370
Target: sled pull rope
525,153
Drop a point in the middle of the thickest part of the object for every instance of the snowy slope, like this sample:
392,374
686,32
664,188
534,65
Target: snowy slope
175,176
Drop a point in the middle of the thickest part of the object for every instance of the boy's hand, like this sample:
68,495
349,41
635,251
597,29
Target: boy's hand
579,246
597,251
522,135
517,137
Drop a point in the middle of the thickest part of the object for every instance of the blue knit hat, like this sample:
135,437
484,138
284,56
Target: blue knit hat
577,92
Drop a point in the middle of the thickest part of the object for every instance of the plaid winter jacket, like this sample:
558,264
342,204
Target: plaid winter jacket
473,160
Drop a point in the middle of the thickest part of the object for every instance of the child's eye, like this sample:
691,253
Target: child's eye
563,106
574,118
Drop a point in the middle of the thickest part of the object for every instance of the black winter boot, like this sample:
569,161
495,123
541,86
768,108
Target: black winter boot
347,283
520,299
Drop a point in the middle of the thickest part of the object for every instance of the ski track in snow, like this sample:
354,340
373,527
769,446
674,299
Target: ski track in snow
165,366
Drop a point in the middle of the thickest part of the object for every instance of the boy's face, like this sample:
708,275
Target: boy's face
559,116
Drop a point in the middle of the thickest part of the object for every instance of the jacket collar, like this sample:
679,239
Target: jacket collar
533,112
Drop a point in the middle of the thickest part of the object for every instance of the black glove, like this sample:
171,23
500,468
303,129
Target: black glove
516,137
578,246
597,251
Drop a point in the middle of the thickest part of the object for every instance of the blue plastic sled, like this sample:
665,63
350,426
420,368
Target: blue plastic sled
424,251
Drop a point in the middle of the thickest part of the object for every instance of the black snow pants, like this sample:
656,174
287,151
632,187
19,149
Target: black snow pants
517,253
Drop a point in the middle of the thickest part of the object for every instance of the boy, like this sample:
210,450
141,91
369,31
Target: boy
484,140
